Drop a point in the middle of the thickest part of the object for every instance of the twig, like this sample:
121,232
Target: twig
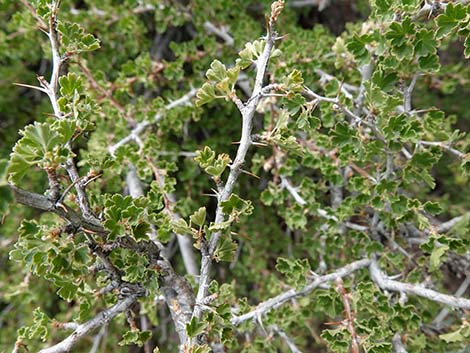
41,202
398,345
219,32
389,284
143,125
287,296
445,311
321,4
407,93
451,223
366,73
293,348
99,320
285,183
444,146
97,339
349,315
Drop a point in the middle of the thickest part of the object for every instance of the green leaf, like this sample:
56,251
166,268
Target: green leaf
425,43
205,94
195,327
467,47
41,145
236,206
70,84
437,256
433,208
180,227
136,337
452,337
205,157
357,47
450,19
296,271
429,63
75,39
294,82
225,250
199,217
219,165
217,72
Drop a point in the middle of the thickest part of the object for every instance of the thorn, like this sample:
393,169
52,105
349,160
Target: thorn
235,142
250,174
282,37
30,86
58,204
210,195
260,144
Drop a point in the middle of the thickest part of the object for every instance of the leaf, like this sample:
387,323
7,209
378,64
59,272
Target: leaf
217,72
218,166
251,52
199,217
181,227
70,84
357,47
294,82
295,270
236,206
425,43
225,250
75,39
136,337
205,157
195,327
205,94
432,207
467,47
450,19
429,63
452,337
40,146
437,256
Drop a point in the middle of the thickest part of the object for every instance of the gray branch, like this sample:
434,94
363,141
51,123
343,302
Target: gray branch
99,320
389,284
287,296
143,125
293,348
398,345
235,169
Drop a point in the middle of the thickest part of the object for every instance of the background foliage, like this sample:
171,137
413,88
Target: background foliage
360,153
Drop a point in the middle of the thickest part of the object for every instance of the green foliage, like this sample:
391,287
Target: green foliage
41,145
369,165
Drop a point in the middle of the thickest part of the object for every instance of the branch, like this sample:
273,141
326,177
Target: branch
451,223
445,311
219,32
293,348
41,202
321,4
445,146
236,167
285,183
99,320
349,315
389,284
56,59
143,125
398,345
407,93
283,298
185,243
